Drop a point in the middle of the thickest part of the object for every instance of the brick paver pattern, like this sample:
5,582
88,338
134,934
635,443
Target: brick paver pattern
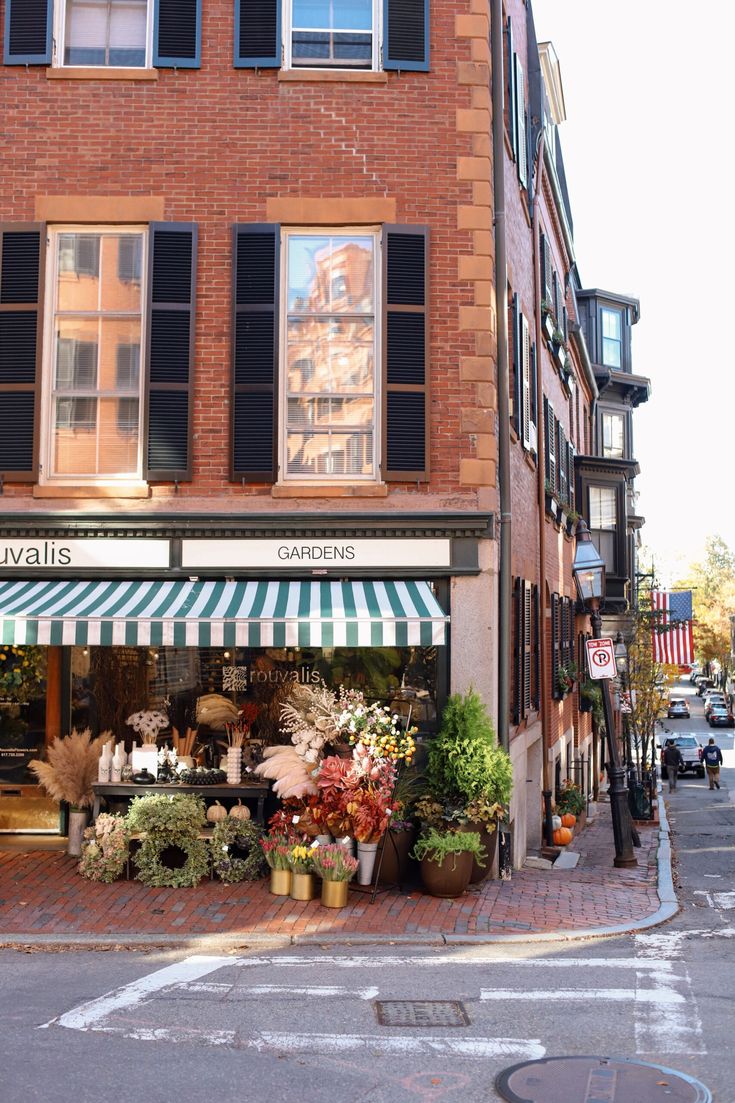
42,893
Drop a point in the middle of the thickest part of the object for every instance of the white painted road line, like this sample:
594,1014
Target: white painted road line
473,960
275,990
658,995
723,901
663,1025
88,1014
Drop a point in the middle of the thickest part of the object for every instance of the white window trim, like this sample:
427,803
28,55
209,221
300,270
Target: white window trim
287,52
57,54
50,299
283,478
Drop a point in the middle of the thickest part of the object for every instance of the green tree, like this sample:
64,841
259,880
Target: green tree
712,582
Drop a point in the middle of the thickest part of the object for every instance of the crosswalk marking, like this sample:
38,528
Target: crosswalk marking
275,990
658,995
472,959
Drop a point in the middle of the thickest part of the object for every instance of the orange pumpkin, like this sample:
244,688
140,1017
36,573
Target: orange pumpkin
568,819
562,836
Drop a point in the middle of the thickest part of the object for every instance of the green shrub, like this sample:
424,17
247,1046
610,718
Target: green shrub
465,762
437,845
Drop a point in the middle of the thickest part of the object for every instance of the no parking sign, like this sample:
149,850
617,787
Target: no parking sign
601,658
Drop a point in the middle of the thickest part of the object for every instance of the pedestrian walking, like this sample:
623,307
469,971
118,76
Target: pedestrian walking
712,756
672,760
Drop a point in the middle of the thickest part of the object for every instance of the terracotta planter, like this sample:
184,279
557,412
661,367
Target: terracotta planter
396,847
334,894
448,878
489,840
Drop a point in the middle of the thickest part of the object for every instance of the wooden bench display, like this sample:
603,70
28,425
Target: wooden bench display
246,792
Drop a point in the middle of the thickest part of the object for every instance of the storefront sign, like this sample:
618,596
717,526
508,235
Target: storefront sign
62,554
316,555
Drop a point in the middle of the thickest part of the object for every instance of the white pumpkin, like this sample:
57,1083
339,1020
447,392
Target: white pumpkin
556,822
240,811
216,812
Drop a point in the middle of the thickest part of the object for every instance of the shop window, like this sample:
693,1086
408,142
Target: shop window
329,411
612,337
104,33
93,392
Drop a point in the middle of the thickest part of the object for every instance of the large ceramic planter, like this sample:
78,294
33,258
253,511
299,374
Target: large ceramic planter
448,878
281,882
302,886
395,863
78,820
334,894
489,840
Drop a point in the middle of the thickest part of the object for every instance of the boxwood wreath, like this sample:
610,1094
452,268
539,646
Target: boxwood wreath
169,823
236,851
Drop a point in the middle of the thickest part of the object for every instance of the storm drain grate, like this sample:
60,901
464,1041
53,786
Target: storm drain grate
421,1013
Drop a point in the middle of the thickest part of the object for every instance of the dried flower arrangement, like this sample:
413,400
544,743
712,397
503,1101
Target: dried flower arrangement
105,850
148,723
71,767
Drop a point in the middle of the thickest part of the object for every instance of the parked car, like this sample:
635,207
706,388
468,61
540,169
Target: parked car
691,753
703,684
720,716
711,699
678,706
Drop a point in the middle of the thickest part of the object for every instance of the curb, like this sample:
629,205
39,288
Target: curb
668,907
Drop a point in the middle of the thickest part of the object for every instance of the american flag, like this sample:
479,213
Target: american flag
673,641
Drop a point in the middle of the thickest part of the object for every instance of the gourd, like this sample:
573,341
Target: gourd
568,819
556,822
562,836
240,811
216,812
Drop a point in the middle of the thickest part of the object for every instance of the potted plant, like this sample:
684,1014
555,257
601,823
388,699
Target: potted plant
467,771
572,519
550,499
276,849
67,775
336,868
590,699
570,802
565,678
446,860
302,875
359,790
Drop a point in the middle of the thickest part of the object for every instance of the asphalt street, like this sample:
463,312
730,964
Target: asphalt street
301,1025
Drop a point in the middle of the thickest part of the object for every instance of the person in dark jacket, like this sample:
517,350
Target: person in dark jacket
712,758
672,760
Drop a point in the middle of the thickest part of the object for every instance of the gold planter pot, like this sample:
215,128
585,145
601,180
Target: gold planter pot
334,894
281,882
302,886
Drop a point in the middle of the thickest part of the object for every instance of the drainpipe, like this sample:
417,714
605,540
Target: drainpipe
541,506
501,298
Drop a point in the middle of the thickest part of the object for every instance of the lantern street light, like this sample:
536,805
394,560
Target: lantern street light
589,577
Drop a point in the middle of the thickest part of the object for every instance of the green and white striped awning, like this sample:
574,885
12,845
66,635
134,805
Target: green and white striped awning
221,614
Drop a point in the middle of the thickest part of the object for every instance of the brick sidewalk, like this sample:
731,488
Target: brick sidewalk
42,893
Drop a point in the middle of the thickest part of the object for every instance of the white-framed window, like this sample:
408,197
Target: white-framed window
329,408
332,34
93,377
613,436
103,33
612,337
603,523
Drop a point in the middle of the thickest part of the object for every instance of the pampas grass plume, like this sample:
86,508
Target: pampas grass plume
71,768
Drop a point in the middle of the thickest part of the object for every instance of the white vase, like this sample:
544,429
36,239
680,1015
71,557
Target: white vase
234,765
77,822
324,840
118,761
347,843
366,858
104,767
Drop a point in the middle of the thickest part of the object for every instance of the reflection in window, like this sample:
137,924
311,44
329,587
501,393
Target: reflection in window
330,357
603,523
332,33
613,436
106,32
96,377
612,338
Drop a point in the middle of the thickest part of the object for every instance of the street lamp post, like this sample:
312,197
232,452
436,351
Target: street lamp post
589,576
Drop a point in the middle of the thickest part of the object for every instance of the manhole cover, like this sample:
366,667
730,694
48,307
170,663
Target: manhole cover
597,1080
421,1013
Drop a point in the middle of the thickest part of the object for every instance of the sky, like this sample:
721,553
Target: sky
649,150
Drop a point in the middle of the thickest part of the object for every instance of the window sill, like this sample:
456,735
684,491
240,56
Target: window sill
309,490
94,490
331,76
79,72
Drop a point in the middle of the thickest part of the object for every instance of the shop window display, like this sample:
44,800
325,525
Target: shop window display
22,737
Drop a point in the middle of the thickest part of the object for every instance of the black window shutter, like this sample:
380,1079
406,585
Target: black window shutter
406,34
22,255
572,489
535,695
255,353
28,26
405,446
552,474
516,366
257,34
170,350
178,34
555,646
527,646
517,650
561,462
534,390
